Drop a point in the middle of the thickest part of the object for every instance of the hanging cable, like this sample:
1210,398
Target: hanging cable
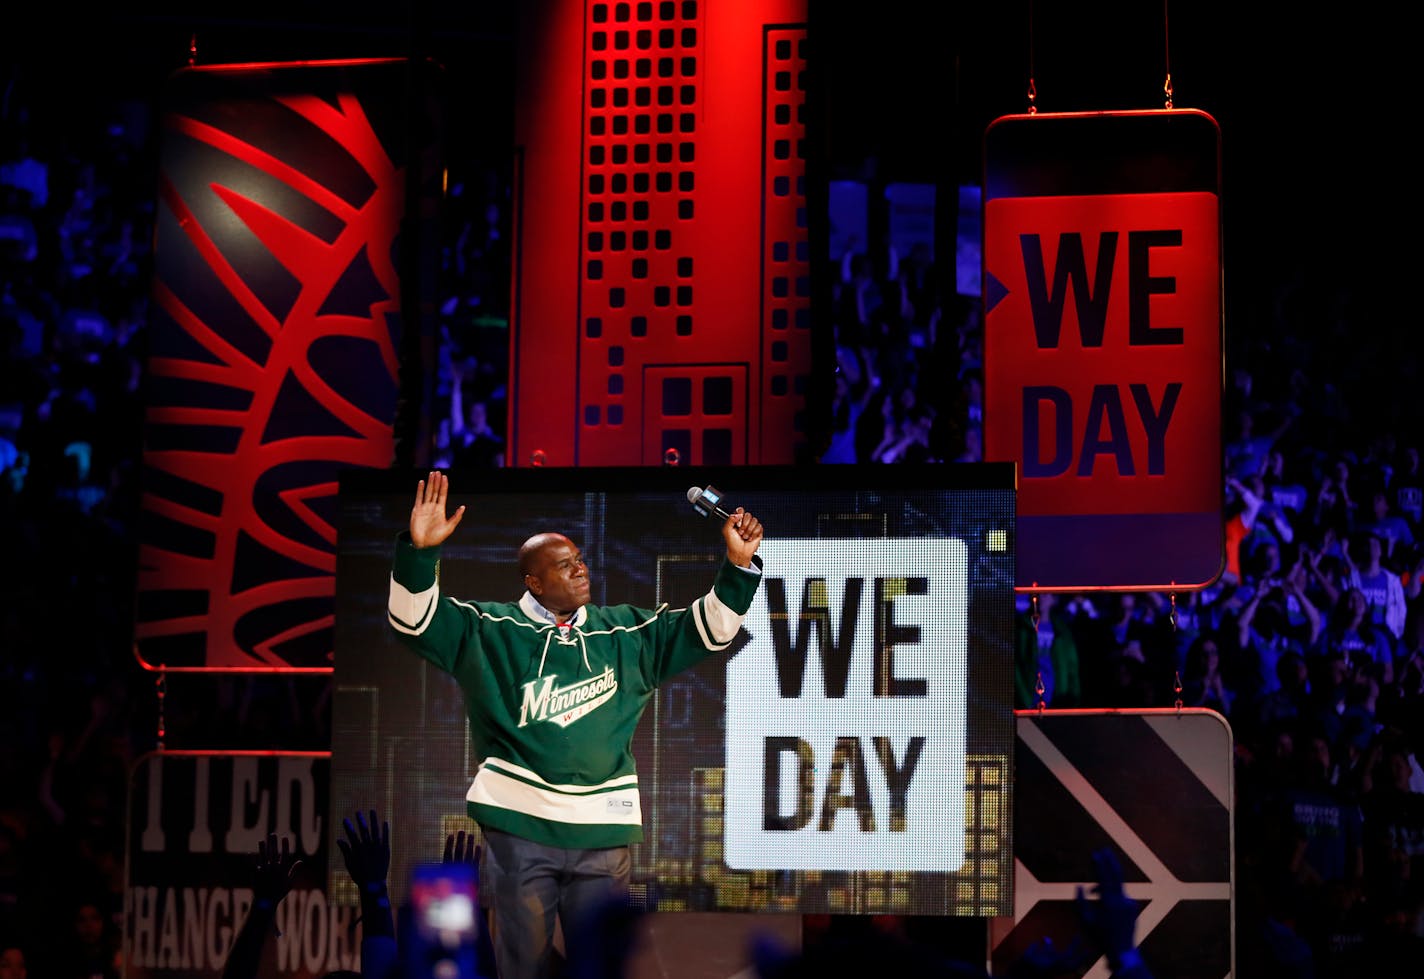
1167,55
1032,89
1039,687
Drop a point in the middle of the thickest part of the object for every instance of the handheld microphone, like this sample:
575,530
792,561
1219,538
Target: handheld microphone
707,501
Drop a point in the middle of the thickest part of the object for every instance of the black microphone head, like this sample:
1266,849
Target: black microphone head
706,501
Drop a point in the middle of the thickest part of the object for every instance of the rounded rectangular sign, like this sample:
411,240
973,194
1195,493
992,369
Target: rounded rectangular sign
845,741
1103,349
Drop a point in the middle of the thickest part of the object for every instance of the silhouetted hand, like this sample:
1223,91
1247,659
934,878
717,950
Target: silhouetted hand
1110,920
367,853
275,870
366,850
274,873
460,848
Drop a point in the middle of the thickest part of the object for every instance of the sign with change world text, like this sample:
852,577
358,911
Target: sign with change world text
846,709
195,823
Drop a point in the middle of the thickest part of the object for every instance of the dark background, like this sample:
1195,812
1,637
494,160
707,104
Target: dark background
1314,158
1316,113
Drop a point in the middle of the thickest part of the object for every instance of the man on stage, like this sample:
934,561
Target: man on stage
555,688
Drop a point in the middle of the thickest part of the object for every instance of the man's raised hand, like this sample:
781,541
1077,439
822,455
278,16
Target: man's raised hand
743,533
428,524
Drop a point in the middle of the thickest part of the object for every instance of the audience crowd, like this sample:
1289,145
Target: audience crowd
1311,644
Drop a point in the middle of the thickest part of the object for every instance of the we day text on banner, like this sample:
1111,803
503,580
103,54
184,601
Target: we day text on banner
845,745
1103,354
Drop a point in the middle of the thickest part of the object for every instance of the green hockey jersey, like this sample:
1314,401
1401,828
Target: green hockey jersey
553,708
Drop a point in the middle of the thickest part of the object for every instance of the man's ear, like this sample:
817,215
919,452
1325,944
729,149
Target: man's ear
535,586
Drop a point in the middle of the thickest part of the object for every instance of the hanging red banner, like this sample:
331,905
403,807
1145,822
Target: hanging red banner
280,319
1103,367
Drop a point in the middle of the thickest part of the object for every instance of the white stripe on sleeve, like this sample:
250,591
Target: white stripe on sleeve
411,612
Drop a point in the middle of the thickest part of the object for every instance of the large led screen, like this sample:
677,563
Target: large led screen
851,752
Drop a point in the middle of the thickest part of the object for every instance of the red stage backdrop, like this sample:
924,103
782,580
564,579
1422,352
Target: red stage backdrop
662,272
285,248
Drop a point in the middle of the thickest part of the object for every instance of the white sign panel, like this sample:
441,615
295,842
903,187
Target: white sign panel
846,710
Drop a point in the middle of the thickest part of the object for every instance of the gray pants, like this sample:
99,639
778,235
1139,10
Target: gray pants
525,885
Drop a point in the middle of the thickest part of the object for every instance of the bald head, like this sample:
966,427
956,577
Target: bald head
531,549
555,573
